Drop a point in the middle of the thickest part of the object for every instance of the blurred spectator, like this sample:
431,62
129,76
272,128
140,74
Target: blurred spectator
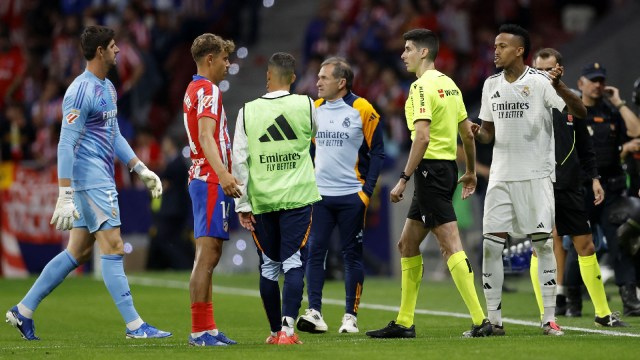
171,247
12,68
306,84
66,60
46,115
16,133
148,149
130,69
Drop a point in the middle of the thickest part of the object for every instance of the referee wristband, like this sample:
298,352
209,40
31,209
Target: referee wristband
405,176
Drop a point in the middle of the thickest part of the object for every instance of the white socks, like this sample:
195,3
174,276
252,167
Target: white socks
493,276
543,244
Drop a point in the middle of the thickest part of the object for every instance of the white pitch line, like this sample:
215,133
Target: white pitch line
176,284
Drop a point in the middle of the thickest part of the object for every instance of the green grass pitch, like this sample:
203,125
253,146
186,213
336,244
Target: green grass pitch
80,321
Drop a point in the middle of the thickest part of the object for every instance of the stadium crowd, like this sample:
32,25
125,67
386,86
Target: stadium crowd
40,57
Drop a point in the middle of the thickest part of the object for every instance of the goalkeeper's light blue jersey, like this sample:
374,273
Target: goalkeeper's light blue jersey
89,109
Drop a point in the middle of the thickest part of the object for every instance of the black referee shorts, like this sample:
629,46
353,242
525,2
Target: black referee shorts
435,182
571,215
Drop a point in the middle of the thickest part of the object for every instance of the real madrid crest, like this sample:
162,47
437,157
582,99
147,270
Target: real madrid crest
526,91
346,122
114,212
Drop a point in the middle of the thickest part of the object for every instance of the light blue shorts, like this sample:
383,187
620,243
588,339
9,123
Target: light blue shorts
98,209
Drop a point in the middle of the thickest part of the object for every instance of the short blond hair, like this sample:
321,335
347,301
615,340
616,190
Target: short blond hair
210,43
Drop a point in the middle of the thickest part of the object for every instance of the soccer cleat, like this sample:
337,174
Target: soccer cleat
497,330
284,339
349,324
222,337
393,330
312,322
207,339
273,339
482,330
25,326
146,331
551,328
611,320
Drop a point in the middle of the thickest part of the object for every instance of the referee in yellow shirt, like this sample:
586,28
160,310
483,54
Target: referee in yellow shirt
435,114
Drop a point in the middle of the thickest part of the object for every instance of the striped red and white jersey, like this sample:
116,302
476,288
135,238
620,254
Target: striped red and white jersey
204,99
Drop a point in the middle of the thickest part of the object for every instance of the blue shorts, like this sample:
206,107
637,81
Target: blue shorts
98,209
210,210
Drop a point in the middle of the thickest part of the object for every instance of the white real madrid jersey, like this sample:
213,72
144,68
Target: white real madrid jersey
521,112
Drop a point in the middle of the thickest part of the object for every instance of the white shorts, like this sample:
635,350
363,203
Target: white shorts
522,207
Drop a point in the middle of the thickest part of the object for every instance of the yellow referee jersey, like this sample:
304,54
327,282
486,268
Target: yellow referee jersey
435,97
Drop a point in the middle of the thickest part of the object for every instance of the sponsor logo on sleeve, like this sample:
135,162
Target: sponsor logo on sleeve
206,101
72,116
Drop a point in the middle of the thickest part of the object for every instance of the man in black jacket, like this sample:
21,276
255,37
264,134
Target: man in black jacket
611,124
171,247
574,150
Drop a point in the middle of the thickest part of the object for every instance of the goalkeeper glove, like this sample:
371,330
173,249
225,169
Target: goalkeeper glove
150,179
65,211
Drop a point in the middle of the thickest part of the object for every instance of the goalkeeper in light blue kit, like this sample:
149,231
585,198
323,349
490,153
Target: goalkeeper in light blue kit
88,201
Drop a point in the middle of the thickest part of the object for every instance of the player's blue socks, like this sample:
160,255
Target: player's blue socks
292,291
270,294
52,275
118,286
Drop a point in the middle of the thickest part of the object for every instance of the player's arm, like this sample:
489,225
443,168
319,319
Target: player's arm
230,185
241,171
126,155
573,102
65,211
469,179
418,148
75,108
484,133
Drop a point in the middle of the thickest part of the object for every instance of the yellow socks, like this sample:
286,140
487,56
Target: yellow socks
533,271
462,274
590,271
411,278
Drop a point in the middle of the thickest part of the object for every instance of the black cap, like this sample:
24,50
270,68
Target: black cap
593,71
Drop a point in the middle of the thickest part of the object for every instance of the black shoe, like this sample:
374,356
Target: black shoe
573,312
630,302
574,301
393,330
611,320
482,330
561,305
497,330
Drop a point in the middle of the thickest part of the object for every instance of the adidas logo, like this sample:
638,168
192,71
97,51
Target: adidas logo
550,283
487,286
276,131
540,226
496,95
